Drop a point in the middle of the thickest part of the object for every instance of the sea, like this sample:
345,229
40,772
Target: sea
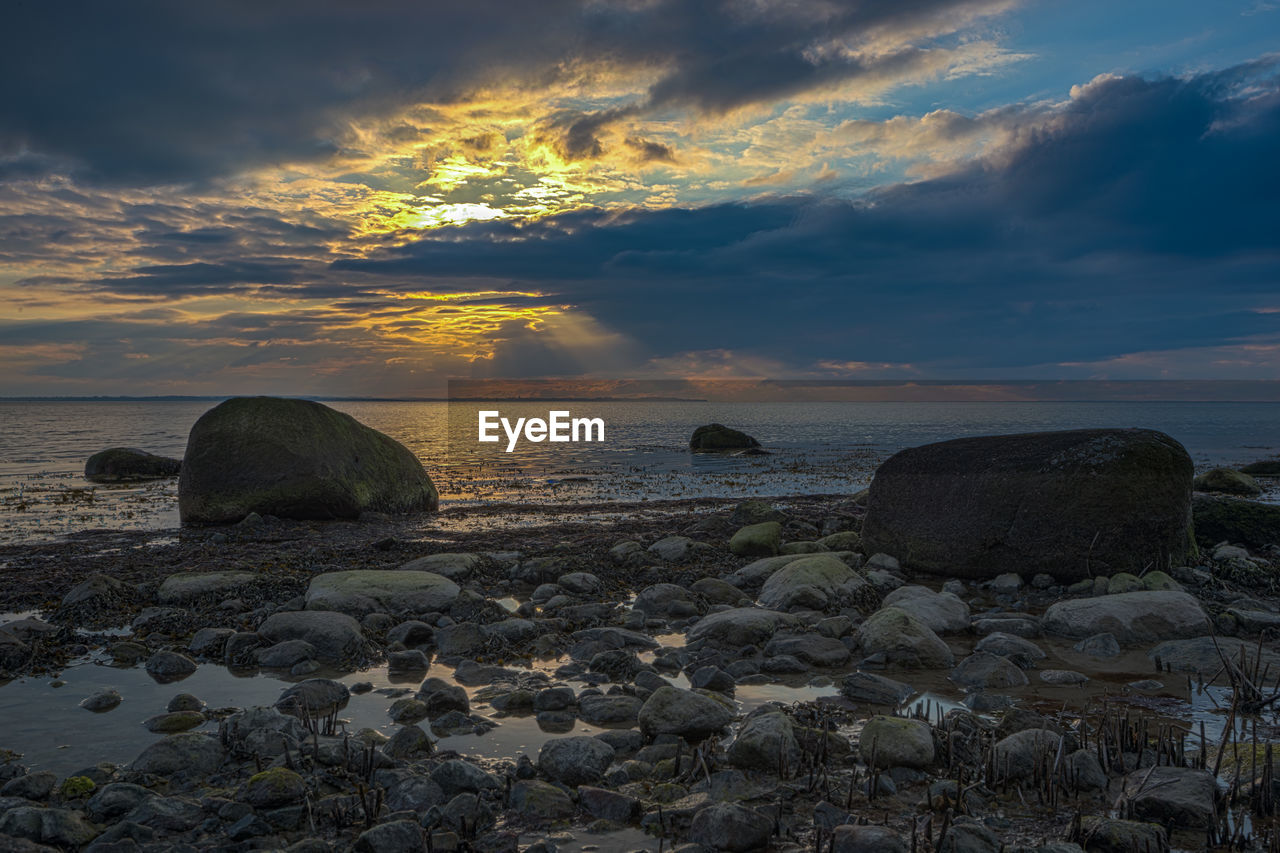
812,448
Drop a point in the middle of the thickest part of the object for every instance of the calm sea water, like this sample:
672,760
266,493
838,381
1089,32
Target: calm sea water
815,448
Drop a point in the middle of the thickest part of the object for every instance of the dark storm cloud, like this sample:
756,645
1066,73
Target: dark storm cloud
157,91
1139,216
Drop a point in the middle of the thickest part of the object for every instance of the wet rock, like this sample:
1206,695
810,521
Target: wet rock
336,637
284,655
967,835
169,666
238,651
689,713
985,670
943,612
866,839
440,696
1172,796
416,793
712,678
407,742
816,582
187,753
1107,835
728,826
711,437
554,699
188,587
407,661
1204,655
1099,646
1019,626
717,591
457,776
741,626
609,805
664,599
98,592
675,549
1065,677
31,786
103,700
129,464
262,731
455,567
903,640
411,633
1086,771
1227,481
272,788
295,459
396,836
896,742
209,642
364,591
167,814
314,698
1132,617
1005,584
757,540
112,802
540,800
577,760
610,710
813,649
461,639
875,689
765,742
175,721
61,827
406,711
1020,651
1017,755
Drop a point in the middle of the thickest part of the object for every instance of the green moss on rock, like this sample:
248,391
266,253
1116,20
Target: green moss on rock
295,459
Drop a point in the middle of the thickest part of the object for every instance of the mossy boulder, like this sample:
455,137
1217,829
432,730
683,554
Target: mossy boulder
817,582
273,788
1227,481
1220,518
720,437
903,640
757,540
129,464
75,787
295,459
1069,504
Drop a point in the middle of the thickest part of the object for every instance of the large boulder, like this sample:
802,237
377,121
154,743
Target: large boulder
189,753
1243,522
720,437
1132,617
364,591
128,464
816,582
1069,504
295,459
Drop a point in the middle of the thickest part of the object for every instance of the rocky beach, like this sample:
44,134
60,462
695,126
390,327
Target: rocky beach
1047,642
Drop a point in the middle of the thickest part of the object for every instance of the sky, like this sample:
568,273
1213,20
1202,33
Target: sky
367,199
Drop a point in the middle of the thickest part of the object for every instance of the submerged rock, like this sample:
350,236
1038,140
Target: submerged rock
720,437
128,464
1068,504
295,459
